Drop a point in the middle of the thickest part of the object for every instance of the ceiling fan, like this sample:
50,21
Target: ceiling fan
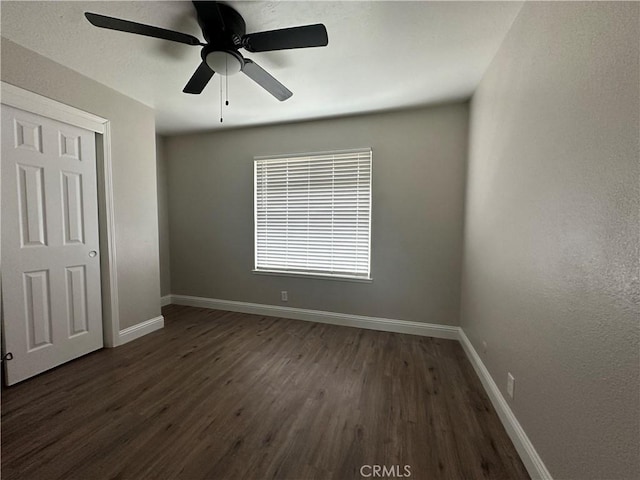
224,30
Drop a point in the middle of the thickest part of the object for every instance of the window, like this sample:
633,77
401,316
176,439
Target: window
313,214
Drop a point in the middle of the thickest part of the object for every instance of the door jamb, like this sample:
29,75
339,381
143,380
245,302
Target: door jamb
35,103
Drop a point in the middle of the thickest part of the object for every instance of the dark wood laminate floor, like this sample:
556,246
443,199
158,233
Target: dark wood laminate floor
225,395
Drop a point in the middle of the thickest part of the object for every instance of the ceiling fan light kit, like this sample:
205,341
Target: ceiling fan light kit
224,30
224,62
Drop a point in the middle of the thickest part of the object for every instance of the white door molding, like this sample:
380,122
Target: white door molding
32,102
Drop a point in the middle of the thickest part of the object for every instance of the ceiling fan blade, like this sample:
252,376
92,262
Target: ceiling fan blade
112,23
199,79
287,38
256,73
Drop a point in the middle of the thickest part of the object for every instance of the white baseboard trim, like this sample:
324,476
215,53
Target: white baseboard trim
532,461
166,300
141,329
371,323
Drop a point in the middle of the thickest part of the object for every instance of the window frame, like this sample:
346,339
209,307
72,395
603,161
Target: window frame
302,274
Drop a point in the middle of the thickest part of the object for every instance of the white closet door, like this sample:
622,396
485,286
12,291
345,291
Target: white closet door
52,310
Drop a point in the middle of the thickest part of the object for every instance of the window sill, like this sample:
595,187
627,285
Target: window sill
318,276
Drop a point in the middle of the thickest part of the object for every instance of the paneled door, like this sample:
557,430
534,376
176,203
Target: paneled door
52,310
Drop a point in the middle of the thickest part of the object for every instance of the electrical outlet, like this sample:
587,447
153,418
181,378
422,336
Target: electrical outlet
511,383
484,347
284,296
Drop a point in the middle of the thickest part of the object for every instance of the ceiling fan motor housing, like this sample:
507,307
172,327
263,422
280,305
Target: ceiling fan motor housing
221,53
226,38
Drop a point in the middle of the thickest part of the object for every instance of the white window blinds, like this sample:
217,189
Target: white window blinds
313,213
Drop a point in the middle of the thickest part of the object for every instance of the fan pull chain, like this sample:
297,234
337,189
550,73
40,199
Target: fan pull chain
220,99
226,81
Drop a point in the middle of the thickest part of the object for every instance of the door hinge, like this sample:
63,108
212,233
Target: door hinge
7,356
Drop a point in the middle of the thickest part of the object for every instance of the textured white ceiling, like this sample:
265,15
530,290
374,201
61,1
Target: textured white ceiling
381,56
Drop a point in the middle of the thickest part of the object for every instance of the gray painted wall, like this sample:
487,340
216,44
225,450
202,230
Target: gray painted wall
163,218
419,168
550,276
134,170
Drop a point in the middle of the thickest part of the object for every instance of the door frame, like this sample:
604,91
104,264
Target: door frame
17,97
